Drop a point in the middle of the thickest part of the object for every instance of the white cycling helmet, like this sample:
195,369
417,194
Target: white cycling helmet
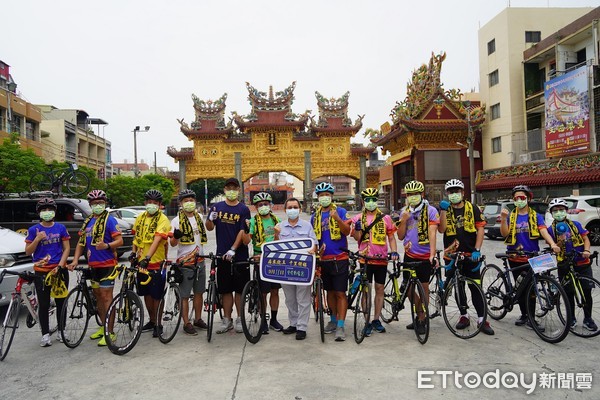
557,202
454,183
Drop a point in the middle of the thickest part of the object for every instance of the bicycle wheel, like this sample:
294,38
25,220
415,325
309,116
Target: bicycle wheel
77,183
75,318
211,305
390,309
435,296
494,285
93,308
586,294
458,309
320,311
128,321
169,313
40,182
362,313
422,334
253,312
191,315
9,327
53,316
548,309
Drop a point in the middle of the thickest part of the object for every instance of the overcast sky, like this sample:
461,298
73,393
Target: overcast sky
138,62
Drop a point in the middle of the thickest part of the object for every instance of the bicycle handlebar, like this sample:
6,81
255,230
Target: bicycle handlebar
355,255
28,276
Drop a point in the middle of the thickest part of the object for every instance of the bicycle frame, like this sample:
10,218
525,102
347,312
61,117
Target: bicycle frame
20,295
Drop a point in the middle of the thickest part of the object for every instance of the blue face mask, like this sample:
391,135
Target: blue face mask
292,213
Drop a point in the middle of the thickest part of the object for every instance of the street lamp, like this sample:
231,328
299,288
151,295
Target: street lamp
137,129
471,144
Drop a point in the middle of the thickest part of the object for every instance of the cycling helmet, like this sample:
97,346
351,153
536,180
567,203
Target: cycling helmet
186,193
369,192
153,194
261,196
324,187
522,188
96,194
414,187
45,203
454,183
557,202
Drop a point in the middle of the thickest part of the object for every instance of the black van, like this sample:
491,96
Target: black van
19,214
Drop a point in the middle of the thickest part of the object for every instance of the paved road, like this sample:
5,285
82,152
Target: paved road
279,367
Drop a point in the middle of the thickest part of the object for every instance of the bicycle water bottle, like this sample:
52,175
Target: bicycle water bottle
355,284
31,296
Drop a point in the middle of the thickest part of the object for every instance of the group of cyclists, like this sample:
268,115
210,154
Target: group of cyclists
416,225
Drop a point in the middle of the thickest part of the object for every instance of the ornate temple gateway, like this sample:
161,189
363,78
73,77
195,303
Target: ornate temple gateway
271,138
429,134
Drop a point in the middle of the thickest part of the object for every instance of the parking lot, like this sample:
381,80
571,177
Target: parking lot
391,365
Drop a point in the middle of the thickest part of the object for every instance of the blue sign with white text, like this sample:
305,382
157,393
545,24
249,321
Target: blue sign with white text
287,261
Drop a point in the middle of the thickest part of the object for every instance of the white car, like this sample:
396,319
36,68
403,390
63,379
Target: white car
126,214
12,257
586,211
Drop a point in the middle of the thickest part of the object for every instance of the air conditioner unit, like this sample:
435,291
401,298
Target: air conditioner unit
524,158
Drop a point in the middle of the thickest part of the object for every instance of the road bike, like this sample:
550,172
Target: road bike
125,312
253,313
169,309
546,299
583,292
79,306
75,182
459,309
24,293
212,302
395,295
319,301
436,289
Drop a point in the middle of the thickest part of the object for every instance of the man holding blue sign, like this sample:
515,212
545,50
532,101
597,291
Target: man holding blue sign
297,297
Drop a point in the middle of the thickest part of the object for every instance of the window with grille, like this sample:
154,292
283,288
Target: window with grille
496,144
494,78
495,111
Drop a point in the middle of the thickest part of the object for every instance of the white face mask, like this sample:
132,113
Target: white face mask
325,201
264,210
151,208
292,213
189,206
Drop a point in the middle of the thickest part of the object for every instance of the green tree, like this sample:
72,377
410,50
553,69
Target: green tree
215,187
17,165
127,191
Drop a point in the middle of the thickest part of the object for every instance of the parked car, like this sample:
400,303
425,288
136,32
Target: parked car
586,211
19,214
126,214
492,210
12,257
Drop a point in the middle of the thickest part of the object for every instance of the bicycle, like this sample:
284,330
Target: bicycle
169,309
581,302
542,290
395,295
80,305
253,313
75,182
319,301
456,304
125,312
212,302
24,293
436,289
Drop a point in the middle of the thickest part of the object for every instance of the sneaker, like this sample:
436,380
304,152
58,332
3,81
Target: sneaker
148,327
573,323
289,330
102,341
264,327
46,341
189,329
226,325
589,324
59,337
421,330
98,334
158,330
522,320
486,328
463,322
300,335
275,325
238,325
376,324
201,324
540,328
410,326
368,330
340,334
330,327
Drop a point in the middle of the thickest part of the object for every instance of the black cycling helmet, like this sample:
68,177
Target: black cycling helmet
46,202
522,188
153,194
186,193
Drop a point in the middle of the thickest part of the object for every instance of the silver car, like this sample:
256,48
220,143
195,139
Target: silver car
13,257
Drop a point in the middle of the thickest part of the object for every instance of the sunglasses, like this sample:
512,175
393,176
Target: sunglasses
520,198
